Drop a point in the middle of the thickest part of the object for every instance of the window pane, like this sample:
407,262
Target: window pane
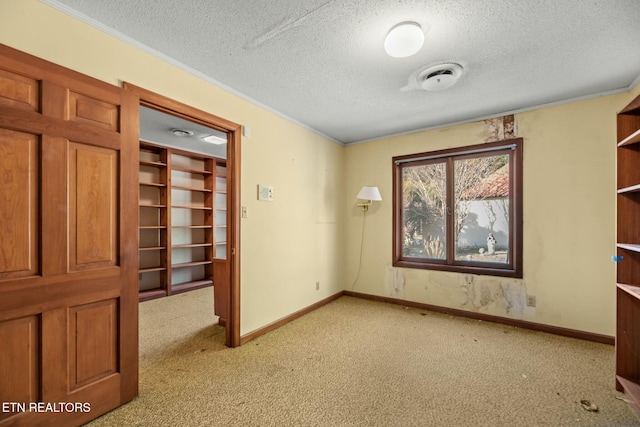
423,211
482,209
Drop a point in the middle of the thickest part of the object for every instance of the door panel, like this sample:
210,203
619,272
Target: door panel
93,195
20,369
18,204
93,111
93,339
18,91
68,266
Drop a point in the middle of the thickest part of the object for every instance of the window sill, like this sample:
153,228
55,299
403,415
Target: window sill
465,269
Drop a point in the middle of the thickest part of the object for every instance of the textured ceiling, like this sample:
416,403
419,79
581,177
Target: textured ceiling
322,62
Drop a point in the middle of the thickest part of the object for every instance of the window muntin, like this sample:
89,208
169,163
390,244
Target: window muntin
460,209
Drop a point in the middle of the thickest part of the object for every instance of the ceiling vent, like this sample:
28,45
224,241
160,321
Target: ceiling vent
182,132
434,78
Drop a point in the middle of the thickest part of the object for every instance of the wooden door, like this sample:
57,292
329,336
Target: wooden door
68,246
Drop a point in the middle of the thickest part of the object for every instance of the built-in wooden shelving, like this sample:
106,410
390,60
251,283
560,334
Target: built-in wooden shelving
179,231
628,248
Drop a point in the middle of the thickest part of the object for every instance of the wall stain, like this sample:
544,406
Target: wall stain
494,296
499,129
394,282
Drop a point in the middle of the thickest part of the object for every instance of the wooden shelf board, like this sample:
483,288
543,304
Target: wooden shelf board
221,243
180,187
631,389
634,291
630,189
190,264
634,138
152,227
629,247
188,286
152,206
152,184
192,245
201,208
150,163
151,269
190,170
152,248
150,294
192,226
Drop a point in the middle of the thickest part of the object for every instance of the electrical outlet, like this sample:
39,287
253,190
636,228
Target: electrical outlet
244,212
531,301
317,286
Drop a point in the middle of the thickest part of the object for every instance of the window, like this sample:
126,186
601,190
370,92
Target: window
460,209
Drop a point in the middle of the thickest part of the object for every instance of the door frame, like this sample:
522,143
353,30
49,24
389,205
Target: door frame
184,111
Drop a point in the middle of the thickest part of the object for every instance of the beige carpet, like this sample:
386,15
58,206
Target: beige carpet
363,363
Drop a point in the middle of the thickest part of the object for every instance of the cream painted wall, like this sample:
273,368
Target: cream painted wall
286,245
569,221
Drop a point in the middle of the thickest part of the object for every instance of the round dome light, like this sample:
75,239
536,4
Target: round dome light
405,39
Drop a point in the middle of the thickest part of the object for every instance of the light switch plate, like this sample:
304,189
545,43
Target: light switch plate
265,193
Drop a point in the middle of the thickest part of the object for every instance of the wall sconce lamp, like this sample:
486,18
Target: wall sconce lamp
369,194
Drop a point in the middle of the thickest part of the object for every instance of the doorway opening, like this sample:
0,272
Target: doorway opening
201,167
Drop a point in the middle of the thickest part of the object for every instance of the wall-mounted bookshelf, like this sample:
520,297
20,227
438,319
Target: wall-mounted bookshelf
179,228
628,251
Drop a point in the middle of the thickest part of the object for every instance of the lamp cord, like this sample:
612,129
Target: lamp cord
364,215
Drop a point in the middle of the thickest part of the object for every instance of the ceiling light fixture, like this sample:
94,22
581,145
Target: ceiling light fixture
214,139
405,39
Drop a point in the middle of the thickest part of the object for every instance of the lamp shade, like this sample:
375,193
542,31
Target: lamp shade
405,39
369,193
